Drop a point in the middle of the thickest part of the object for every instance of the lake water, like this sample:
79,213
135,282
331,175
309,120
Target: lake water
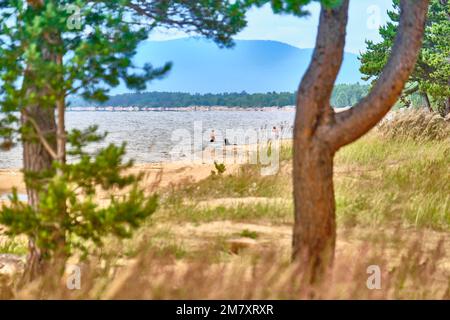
150,136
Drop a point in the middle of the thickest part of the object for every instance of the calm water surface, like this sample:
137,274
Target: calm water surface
149,134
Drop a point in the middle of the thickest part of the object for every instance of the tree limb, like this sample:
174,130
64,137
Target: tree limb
314,93
41,136
353,123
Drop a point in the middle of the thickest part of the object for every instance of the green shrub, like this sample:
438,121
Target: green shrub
220,168
69,214
249,234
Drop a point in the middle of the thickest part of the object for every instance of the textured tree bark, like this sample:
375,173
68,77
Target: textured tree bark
39,148
314,230
35,156
315,227
319,132
45,145
36,159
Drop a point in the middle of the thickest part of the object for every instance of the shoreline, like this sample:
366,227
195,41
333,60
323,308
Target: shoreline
178,109
196,167
188,109
156,175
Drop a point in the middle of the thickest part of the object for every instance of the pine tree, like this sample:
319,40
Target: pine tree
53,49
431,74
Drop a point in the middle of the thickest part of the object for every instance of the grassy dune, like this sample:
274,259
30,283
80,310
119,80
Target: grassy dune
228,236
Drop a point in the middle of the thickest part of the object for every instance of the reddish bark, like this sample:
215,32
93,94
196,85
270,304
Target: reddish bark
39,146
319,132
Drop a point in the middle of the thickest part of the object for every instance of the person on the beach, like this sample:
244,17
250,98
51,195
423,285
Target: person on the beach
274,133
212,137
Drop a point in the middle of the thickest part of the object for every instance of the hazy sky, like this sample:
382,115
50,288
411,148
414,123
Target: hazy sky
365,16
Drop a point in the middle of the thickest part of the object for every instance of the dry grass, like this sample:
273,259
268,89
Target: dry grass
409,270
228,237
416,124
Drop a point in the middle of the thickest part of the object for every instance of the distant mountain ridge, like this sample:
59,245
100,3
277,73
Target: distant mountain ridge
200,66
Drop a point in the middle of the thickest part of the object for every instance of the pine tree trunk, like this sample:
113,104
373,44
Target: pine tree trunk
314,234
37,142
44,142
36,159
315,228
319,132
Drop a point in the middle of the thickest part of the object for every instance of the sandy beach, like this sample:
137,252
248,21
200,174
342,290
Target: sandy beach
11,178
158,175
